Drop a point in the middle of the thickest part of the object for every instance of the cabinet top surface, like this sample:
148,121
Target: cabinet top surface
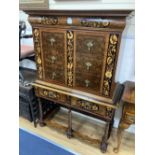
97,13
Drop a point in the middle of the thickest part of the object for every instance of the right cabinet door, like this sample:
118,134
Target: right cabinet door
90,53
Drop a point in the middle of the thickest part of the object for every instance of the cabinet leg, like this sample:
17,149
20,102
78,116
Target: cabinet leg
104,143
110,128
41,123
69,130
35,124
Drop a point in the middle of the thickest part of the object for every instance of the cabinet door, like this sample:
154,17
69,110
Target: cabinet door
89,59
53,49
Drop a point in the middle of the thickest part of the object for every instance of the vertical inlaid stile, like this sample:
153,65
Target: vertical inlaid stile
36,35
110,64
70,68
70,51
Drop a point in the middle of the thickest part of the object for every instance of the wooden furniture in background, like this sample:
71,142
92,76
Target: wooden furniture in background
128,113
76,56
33,4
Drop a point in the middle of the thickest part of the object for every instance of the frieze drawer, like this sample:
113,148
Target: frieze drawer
129,118
48,94
103,111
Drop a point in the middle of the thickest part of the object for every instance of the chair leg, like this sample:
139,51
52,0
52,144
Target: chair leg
32,112
41,122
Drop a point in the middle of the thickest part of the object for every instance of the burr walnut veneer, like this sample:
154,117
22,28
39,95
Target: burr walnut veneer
76,57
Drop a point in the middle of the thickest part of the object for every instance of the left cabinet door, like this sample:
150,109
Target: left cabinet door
52,45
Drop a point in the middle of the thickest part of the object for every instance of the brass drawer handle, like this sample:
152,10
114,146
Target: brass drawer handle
52,41
90,44
87,82
53,58
53,75
88,65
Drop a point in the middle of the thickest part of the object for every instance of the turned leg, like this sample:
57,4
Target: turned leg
32,112
69,130
110,127
119,137
104,142
41,123
121,127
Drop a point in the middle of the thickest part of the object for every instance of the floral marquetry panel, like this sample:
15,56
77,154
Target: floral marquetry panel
110,64
53,46
37,47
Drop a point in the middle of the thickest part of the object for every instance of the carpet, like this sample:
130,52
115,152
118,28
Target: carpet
31,144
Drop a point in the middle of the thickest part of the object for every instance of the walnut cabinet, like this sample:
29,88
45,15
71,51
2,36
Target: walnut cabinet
76,56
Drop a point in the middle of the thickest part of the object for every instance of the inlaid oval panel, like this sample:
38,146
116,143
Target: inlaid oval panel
89,58
53,46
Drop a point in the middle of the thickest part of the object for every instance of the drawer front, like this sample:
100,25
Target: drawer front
129,108
129,118
53,46
51,95
89,60
100,110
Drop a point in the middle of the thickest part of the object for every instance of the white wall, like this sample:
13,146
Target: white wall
91,4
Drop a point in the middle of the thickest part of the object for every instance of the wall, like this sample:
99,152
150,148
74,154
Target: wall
91,4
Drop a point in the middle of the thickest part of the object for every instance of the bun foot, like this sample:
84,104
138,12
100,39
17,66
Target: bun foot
69,134
116,150
104,147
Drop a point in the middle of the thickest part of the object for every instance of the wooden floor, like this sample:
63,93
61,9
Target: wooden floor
87,126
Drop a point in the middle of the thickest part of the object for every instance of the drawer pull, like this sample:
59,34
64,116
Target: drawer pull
90,45
52,41
53,75
45,92
88,65
52,95
53,58
87,82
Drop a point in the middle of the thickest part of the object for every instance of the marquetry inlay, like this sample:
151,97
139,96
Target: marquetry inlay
88,105
95,23
70,50
36,35
53,20
109,112
76,57
49,20
110,63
